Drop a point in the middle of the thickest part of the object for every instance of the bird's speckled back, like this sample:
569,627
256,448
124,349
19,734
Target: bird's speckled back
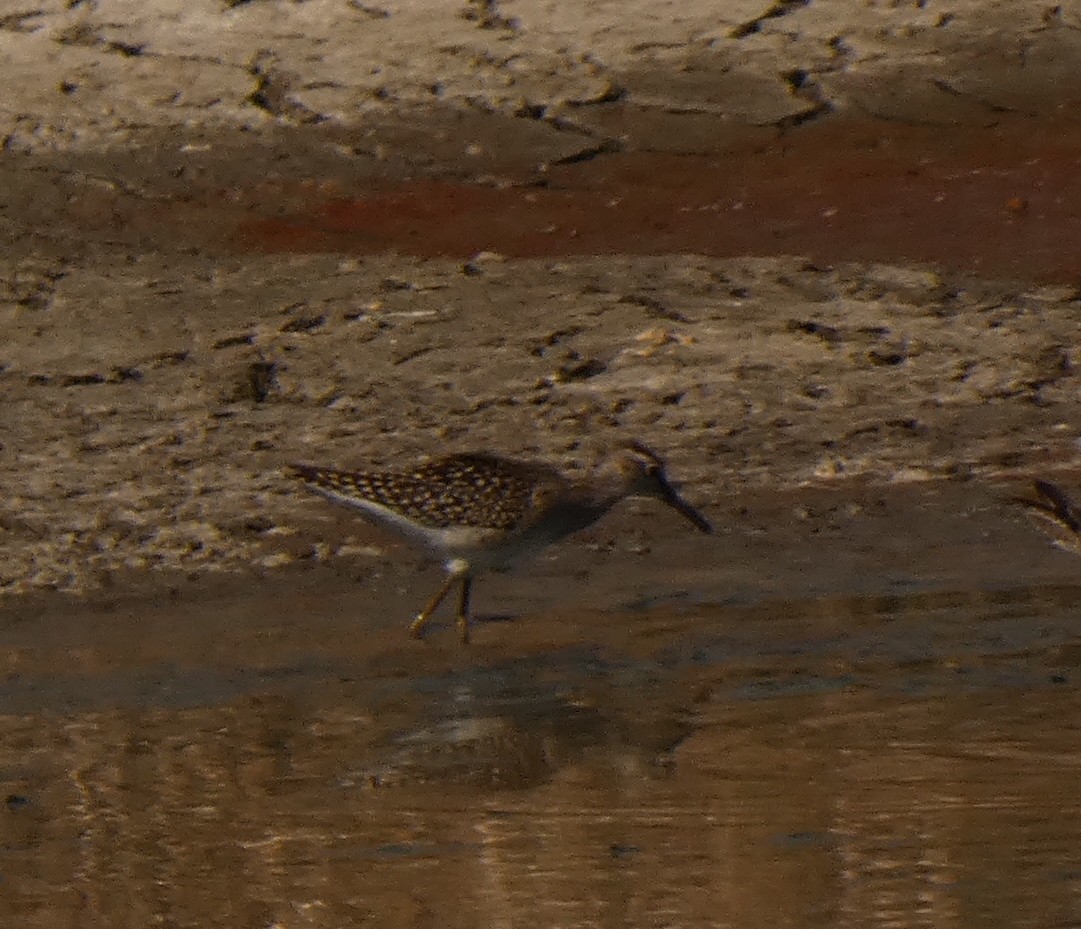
468,490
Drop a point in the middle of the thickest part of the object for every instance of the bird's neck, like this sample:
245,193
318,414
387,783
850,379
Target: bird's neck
586,511
606,490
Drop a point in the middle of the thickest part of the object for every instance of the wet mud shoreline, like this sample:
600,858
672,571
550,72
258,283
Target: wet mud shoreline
159,442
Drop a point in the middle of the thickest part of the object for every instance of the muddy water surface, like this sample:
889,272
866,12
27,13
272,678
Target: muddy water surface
634,740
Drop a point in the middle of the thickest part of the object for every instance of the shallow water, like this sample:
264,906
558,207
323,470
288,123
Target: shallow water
869,719
846,761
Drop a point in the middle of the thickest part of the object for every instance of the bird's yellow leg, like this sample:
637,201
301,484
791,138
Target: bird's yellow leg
417,627
463,609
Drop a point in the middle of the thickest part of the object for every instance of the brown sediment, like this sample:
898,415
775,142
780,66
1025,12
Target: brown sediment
1002,201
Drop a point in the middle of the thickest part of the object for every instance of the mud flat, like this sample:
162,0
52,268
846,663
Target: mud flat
787,246
822,256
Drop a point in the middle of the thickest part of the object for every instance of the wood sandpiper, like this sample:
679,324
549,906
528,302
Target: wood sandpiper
478,511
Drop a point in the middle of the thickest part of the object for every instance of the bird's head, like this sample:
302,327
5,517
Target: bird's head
642,474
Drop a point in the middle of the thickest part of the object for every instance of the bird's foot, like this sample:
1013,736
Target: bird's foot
416,628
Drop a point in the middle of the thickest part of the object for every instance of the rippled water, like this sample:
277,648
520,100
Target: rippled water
882,761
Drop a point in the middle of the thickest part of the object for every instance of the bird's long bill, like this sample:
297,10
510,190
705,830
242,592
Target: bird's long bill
688,512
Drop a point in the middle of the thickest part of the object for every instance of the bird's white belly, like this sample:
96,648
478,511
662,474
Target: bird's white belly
478,547
489,548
